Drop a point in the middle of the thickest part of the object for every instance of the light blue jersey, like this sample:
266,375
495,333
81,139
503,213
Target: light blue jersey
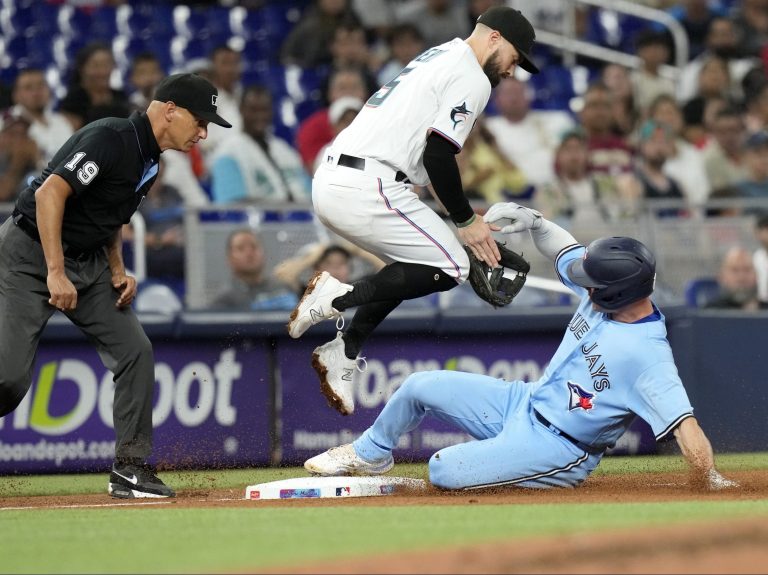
596,383
552,432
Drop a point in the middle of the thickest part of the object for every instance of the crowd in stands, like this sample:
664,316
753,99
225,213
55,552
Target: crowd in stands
597,147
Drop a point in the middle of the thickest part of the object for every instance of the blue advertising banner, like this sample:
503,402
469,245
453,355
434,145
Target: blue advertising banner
309,426
212,407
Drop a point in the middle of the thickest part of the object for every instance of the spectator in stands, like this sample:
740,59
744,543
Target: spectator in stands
686,165
656,145
438,20
32,100
146,73
336,259
752,23
760,257
756,161
405,43
576,195
625,114
698,116
340,115
486,173
90,96
647,82
308,43
737,282
163,213
722,41
724,154
609,154
19,155
349,50
756,101
526,137
256,165
714,79
696,17
226,72
316,132
251,288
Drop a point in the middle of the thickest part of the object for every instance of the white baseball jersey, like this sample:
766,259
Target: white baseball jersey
443,90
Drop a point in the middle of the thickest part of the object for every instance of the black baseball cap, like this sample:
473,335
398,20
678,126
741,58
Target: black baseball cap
515,29
192,92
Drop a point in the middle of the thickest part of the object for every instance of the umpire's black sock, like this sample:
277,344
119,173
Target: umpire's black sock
367,317
396,282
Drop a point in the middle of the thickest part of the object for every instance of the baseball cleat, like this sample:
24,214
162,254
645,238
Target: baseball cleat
317,303
335,371
128,481
344,460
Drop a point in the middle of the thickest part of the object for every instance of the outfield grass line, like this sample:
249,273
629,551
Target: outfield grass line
84,506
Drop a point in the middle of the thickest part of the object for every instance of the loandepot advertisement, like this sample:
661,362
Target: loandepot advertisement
211,408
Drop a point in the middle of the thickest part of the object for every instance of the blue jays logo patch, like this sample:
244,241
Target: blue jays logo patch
459,114
579,398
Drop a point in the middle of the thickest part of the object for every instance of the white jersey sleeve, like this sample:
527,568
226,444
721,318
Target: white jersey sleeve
460,102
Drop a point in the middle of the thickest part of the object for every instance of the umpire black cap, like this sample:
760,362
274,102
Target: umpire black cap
621,270
192,92
515,29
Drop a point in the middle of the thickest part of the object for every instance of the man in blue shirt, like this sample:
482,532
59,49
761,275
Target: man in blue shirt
613,364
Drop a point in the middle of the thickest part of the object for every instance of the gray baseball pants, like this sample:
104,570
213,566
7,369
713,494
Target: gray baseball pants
120,340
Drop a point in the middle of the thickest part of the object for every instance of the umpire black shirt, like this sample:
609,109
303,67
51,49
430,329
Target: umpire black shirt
110,164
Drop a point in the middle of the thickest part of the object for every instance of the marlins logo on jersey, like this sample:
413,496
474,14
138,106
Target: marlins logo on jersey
459,114
579,398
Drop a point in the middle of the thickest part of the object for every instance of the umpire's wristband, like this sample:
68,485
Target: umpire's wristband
469,222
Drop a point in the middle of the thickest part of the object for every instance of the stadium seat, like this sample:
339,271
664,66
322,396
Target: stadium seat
700,291
553,88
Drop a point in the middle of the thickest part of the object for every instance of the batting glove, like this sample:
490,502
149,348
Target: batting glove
520,218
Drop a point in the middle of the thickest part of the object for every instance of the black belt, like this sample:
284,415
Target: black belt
359,164
30,229
581,445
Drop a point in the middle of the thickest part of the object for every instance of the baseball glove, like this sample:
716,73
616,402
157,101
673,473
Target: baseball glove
490,284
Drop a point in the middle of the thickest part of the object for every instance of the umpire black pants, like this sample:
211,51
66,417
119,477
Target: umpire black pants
116,333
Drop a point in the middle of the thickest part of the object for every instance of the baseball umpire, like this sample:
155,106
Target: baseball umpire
61,249
408,133
613,364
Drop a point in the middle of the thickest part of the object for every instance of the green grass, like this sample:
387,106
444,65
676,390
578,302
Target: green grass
144,540
168,539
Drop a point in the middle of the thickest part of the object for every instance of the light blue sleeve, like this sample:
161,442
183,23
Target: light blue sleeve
228,182
563,259
660,398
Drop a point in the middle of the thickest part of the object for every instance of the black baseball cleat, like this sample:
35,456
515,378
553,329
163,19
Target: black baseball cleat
130,481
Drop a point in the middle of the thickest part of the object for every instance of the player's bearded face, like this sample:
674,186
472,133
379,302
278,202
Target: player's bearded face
492,69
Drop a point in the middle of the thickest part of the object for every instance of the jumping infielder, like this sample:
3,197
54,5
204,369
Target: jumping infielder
407,134
614,363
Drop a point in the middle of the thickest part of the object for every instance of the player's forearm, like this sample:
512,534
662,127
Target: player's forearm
50,200
695,446
440,163
551,239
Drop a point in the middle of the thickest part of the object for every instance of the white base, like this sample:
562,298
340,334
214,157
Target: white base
331,487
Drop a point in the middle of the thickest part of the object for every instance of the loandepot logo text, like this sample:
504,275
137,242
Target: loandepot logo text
374,386
192,394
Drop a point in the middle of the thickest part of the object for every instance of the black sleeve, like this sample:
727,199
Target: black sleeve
91,157
443,171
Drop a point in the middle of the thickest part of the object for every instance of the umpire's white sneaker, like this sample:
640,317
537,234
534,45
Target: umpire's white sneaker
335,371
344,461
316,303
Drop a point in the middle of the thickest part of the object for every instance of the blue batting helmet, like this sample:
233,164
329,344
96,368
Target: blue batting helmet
621,271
